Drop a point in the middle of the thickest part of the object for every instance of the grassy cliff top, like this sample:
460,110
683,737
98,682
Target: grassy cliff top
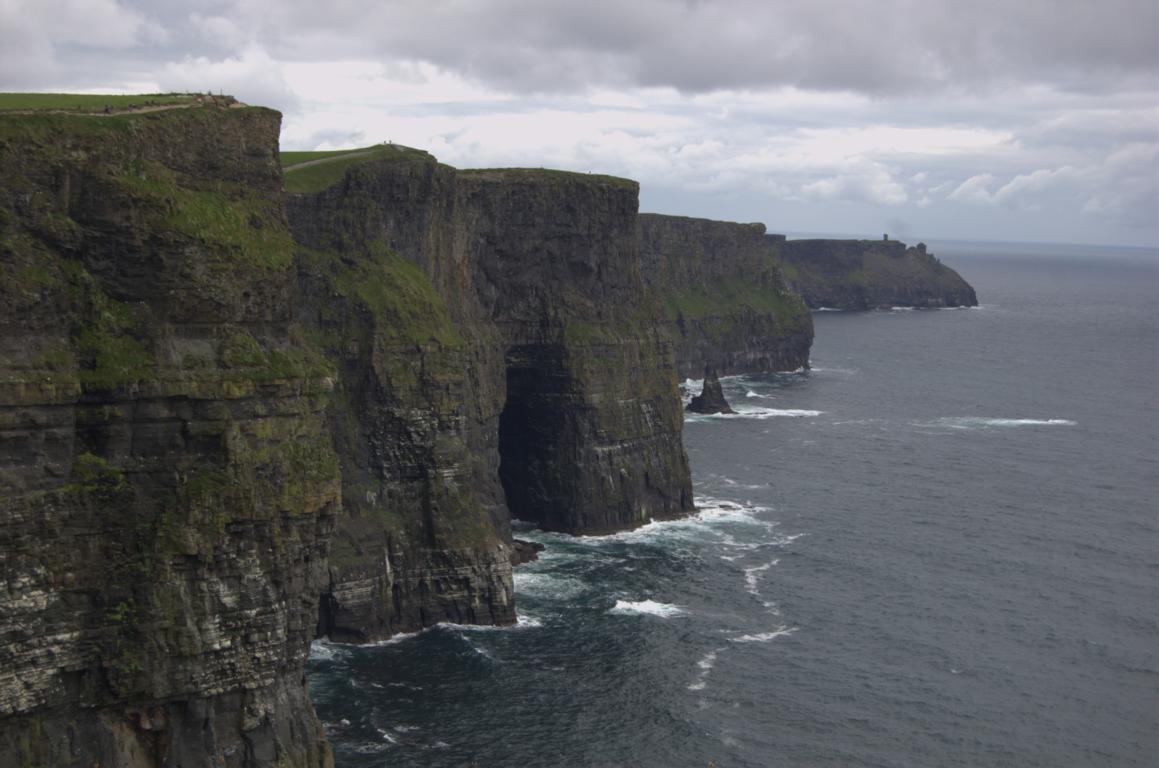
545,175
662,218
97,102
306,172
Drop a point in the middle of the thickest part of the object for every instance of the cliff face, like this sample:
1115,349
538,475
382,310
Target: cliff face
498,357
590,430
424,534
869,274
724,295
167,483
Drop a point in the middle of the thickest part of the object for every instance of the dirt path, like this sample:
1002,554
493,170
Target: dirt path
321,160
136,110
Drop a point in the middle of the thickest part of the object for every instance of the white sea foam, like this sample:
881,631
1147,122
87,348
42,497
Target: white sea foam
754,412
731,542
330,649
975,422
481,651
370,749
647,607
752,576
719,511
706,664
765,637
710,513
522,621
325,650
547,585
901,309
828,309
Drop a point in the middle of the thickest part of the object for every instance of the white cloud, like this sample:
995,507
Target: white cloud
743,106
218,31
32,34
253,76
1022,189
874,185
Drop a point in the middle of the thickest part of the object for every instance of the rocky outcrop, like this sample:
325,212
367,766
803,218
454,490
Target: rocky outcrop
711,398
871,274
167,481
724,295
525,551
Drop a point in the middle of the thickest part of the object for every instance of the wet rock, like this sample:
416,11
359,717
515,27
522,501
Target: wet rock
525,551
711,397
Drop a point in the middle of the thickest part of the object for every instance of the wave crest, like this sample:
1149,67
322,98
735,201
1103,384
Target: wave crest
647,607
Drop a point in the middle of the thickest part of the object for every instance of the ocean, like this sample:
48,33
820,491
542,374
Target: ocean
939,546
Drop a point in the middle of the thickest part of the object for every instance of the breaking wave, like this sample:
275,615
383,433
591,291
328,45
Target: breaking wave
647,607
755,412
765,637
976,422
547,585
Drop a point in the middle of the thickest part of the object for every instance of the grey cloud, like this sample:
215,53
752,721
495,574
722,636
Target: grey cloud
859,45
937,63
692,45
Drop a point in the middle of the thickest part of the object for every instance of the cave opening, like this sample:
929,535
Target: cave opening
532,435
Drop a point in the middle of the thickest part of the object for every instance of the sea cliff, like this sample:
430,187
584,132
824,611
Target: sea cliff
871,274
234,418
724,295
242,408
167,481
499,357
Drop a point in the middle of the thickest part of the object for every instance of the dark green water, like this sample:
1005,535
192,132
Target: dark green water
940,546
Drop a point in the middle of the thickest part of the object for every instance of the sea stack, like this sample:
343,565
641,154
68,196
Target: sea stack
711,397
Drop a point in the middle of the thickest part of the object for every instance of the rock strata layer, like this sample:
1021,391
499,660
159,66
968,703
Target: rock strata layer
498,357
167,481
232,418
871,274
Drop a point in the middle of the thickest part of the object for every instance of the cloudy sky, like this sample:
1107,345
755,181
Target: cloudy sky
1032,120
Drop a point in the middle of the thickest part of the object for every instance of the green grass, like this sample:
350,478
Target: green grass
315,178
246,228
295,157
396,292
87,102
544,174
727,296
